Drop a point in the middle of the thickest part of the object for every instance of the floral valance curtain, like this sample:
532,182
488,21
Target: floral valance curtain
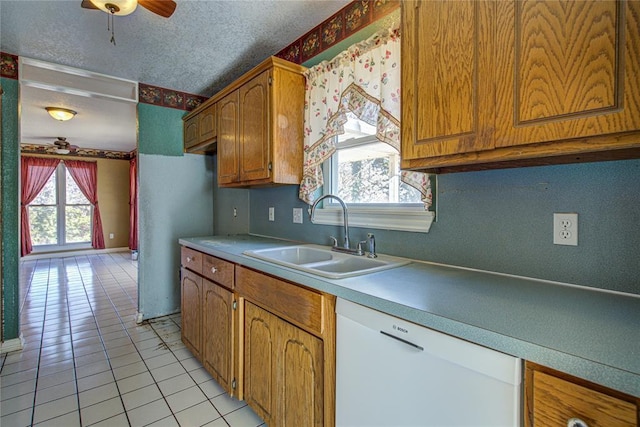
364,79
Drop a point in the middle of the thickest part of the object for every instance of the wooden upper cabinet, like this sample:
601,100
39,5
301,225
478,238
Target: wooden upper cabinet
255,140
260,126
207,123
200,130
191,132
446,92
494,84
566,69
228,137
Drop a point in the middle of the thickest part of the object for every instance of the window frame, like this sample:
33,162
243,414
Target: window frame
61,226
386,216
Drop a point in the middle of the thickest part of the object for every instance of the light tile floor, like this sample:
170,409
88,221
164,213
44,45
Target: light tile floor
86,362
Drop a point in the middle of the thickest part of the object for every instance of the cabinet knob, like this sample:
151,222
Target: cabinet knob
576,422
189,259
214,270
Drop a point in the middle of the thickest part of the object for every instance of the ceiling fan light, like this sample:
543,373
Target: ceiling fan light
62,151
122,7
62,114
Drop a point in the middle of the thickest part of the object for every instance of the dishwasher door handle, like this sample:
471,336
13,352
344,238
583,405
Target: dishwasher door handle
402,340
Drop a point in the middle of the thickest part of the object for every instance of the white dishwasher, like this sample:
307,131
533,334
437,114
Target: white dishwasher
390,372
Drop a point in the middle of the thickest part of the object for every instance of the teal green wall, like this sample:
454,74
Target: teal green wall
160,130
10,203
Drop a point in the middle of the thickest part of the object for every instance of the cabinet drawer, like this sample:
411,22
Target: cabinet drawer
191,259
218,270
301,306
555,401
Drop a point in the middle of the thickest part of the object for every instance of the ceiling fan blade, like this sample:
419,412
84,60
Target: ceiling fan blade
88,5
164,8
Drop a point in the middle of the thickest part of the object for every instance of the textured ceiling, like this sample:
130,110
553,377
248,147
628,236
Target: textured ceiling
200,49
203,47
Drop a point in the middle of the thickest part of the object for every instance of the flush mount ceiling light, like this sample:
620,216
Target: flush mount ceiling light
62,114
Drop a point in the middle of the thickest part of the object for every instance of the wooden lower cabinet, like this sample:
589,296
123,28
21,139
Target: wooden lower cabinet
218,334
556,399
191,307
259,361
299,377
265,340
283,370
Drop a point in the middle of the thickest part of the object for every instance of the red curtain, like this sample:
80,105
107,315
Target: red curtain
85,174
133,205
34,174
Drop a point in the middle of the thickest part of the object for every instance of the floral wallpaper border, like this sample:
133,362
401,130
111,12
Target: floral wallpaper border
351,18
8,66
80,152
163,97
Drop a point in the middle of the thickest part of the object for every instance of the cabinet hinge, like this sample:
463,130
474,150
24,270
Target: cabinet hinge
270,166
233,384
235,305
270,81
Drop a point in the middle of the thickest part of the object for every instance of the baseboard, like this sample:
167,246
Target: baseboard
11,345
66,254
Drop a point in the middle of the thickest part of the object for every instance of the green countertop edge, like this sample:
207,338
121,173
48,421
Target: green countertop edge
231,247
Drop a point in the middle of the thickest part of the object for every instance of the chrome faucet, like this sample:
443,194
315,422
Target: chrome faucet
346,247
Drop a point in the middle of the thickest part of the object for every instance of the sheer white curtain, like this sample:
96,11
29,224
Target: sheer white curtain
364,79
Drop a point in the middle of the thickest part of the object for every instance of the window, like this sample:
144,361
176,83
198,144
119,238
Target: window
60,216
364,170
365,173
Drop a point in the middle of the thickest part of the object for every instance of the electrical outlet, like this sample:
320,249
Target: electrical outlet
565,229
111,236
297,215
272,214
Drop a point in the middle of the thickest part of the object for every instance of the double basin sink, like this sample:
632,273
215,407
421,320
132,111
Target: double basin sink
321,260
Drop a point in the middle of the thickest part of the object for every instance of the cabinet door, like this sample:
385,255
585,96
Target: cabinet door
191,132
207,123
255,140
566,69
217,335
300,377
190,305
260,332
228,134
447,82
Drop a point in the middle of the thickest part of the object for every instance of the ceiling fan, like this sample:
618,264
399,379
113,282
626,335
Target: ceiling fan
164,8
63,146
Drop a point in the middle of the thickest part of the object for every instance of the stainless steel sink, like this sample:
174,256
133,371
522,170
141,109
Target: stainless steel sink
322,261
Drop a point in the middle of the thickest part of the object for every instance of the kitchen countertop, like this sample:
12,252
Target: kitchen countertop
586,332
